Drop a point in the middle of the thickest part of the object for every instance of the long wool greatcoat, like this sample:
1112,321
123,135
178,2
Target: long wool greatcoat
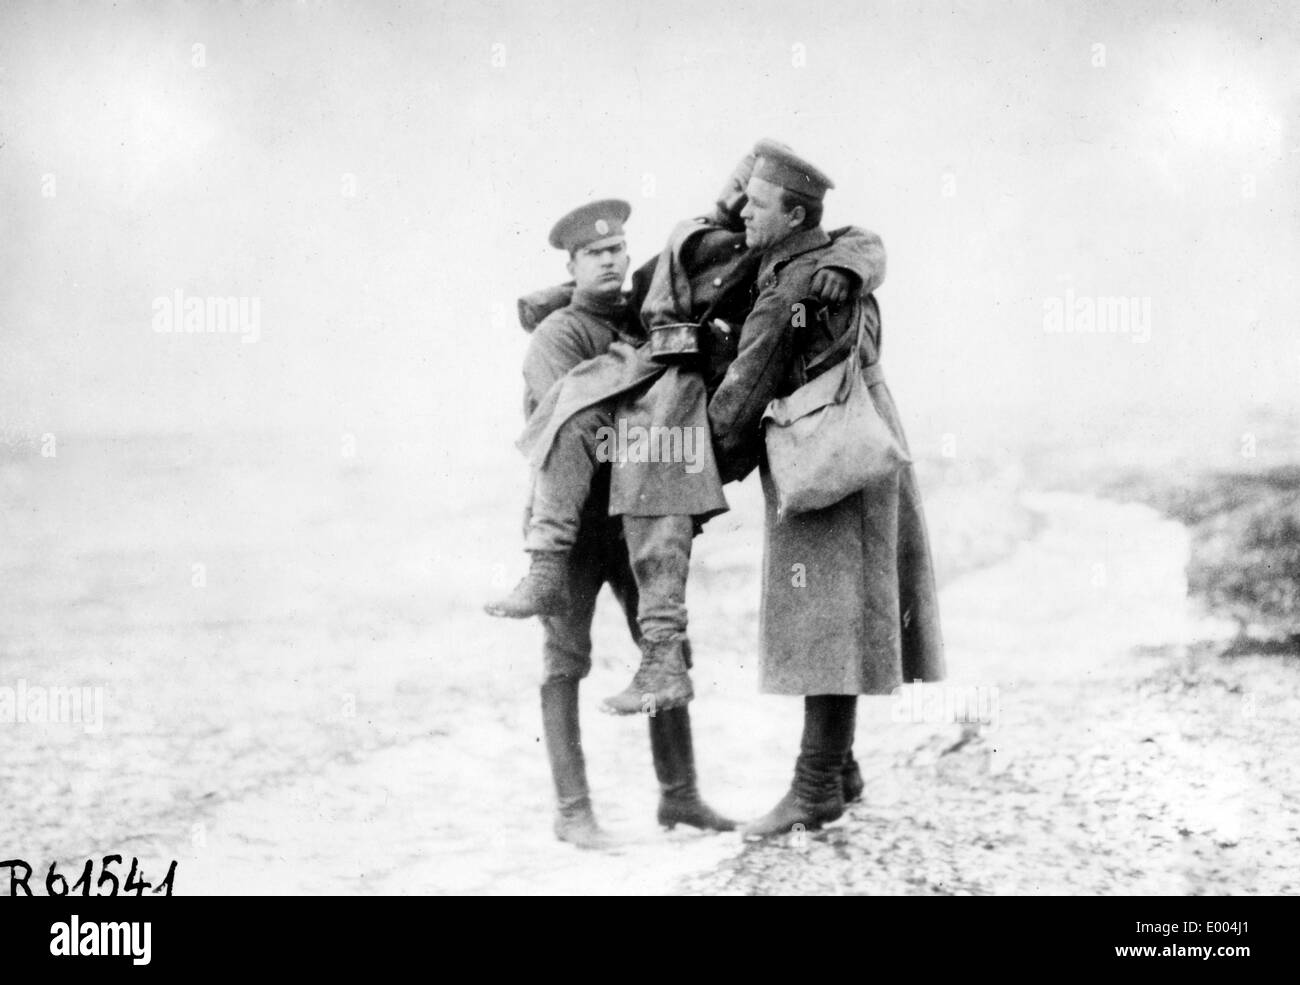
702,260
849,603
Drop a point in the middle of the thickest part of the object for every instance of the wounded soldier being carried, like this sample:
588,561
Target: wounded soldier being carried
641,405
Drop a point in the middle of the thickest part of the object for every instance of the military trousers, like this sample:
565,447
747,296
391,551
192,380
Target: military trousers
599,557
658,548
562,486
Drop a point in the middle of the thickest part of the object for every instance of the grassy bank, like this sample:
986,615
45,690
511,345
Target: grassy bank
1245,556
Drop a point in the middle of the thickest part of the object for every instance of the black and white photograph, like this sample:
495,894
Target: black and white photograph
564,448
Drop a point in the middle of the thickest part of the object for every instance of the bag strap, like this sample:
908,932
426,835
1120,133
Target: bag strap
849,345
841,347
854,371
853,334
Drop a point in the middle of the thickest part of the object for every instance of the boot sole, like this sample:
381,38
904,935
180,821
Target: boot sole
764,836
699,825
812,824
607,843
501,613
697,815
658,706
587,846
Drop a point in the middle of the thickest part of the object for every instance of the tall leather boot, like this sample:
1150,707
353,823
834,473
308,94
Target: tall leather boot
816,795
661,682
574,820
542,592
852,777
674,756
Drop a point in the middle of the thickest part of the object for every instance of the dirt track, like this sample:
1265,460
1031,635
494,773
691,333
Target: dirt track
306,723
1125,758
1110,771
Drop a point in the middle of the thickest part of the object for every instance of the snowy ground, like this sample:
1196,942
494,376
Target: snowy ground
321,707
1126,757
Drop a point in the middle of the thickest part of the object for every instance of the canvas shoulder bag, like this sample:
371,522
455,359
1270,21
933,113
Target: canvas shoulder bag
826,440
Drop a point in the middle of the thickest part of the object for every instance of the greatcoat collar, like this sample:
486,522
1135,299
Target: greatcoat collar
603,307
792,246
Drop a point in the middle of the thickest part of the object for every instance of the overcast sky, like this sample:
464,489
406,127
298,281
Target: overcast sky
1007,153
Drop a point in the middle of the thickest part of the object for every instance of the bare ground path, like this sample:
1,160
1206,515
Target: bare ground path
1128,756
331,712
1124,759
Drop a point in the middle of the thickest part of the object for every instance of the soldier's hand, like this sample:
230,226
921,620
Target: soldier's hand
831,286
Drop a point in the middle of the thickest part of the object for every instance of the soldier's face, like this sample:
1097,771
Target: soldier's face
766,223
600,267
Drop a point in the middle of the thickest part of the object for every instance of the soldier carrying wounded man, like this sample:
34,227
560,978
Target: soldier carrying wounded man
663,352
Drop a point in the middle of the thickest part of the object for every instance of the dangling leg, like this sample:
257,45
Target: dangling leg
660,551
560,489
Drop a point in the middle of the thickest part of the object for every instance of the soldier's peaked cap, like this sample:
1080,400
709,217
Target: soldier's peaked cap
780,165
588,223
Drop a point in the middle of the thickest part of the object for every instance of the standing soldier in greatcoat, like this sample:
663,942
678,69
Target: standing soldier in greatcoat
849,604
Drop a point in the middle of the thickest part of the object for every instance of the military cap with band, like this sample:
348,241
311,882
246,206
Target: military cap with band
589,223
781,166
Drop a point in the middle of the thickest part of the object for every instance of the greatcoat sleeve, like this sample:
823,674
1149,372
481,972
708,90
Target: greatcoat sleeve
554,348
761,363
860,252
